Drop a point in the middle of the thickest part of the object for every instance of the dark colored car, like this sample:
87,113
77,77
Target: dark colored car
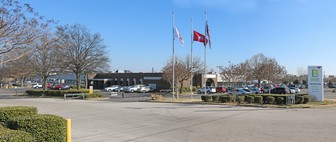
280,90
66,86
220,89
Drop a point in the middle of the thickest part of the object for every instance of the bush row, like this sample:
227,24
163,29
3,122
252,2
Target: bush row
26,125
258,99
55,93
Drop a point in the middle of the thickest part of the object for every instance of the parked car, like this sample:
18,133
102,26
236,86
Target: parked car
256,91
121,89
220,89
144,89
111,88
37,85
208,89
292,90
280,90
66,86
134,88
297,90
57,86
50,85
241,91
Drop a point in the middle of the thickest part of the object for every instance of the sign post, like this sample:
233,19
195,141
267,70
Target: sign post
315,82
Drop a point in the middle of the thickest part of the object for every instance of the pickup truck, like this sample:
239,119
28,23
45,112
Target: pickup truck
37,85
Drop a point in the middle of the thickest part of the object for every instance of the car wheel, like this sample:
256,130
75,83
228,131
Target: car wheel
208,92
132,91
199,92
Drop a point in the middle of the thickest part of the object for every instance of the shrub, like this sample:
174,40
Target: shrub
249,99
15,111
240,98
33,93
157,97
56,93
224,99
43,127
280,100
206,98
258,99
306,99
299,99
270,100
215,98
232,98
94,95
8,135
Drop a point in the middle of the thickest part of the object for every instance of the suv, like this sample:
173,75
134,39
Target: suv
280,90
220,89
37,85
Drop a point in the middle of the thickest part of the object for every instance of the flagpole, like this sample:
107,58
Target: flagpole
205,58
191,61
173,57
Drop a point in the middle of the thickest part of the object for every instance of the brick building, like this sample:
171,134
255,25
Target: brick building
102,80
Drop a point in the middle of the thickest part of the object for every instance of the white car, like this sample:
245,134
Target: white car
208,90
111,88
134,88
144,89
37,85
295,90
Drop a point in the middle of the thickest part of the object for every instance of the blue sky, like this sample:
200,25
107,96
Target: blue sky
138,33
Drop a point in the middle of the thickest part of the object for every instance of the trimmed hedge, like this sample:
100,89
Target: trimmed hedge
280,100
299,100
249,99
306,99
8,135
94,95
43,127
240,98
270,100
7,113
206,98
54,93
258,99
215,98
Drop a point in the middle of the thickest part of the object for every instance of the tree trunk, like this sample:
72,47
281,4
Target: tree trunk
22,81
86,80
78,80
45,84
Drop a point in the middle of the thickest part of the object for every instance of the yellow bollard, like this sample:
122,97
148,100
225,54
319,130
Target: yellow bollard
68,132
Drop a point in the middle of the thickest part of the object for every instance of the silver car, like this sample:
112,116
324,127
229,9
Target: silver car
111,88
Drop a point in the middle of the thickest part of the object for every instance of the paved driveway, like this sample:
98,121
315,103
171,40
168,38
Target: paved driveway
108,121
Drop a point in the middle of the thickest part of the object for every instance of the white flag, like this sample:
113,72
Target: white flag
177,34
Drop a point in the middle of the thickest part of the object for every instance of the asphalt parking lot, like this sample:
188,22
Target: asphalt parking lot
107,121
118,119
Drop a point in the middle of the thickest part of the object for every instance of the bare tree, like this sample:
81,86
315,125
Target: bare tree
256,66
83,52
262,67
19,26
272,70
18,69
46,57
183,69
235,73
